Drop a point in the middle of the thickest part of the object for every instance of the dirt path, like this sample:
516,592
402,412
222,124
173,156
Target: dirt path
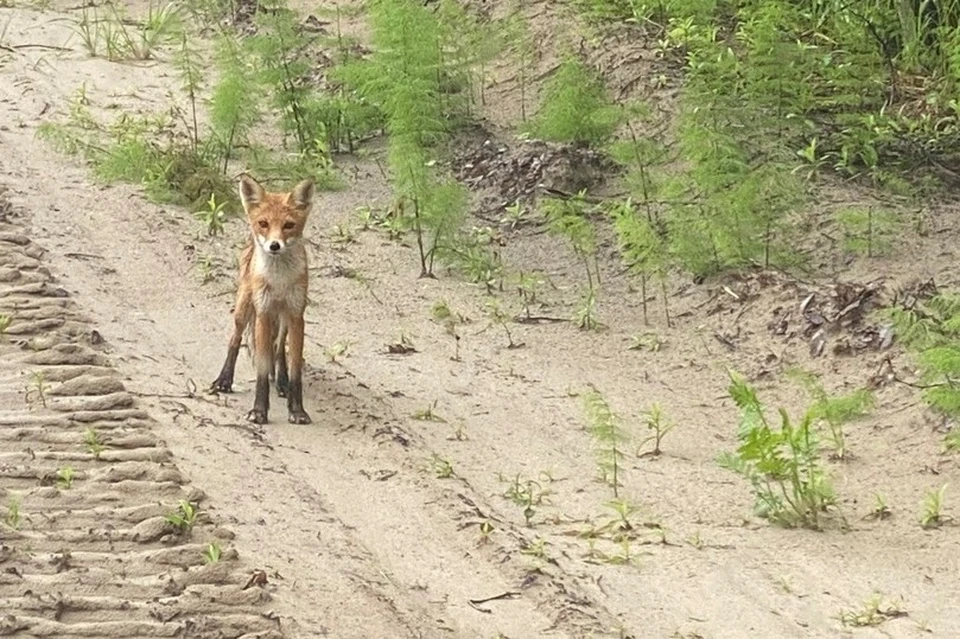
357,530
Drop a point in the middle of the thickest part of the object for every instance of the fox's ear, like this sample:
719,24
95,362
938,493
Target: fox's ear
302,195
250,191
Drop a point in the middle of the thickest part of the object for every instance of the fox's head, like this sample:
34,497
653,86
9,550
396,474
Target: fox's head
277,219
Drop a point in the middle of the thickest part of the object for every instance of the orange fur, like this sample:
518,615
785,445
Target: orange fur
272,296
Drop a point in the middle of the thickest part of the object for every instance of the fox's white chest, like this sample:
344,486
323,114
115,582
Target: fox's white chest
282,285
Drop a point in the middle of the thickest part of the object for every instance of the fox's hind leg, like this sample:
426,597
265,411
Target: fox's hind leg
242,315
280,357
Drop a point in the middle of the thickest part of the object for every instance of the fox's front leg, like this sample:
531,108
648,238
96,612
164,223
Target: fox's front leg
280,357
263,358
242,314
295,396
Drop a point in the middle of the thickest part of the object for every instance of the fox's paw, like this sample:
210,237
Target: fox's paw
257,416
221,386
299,417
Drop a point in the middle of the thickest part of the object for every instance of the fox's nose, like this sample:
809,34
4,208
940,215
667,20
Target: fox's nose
274,246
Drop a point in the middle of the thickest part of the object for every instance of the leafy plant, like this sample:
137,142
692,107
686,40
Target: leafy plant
13,518
442,468
65,477
184,517
783,465
873,613
212,553
95,444
5,321
527,493
212,217
37,392
932,516
655,421
835,411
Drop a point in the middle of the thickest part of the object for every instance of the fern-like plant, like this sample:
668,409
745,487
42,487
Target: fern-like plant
783,464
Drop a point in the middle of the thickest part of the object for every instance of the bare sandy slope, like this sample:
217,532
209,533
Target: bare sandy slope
348,517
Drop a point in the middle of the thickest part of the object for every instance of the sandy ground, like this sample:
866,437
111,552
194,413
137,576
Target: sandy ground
356,531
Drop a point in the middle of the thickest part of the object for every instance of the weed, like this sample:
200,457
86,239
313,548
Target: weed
654,421
873,613
442,468
880,509
37,392
486,530
429,414
609,437
783,466
13,518
212,553
834,411
5,321
336,350
932,515
212,217
646,342
65,477
500,318
95,444
527,493
528,285
184,517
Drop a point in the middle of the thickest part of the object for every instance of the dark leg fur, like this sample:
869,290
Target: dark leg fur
224,381
283,376
295,403
261,402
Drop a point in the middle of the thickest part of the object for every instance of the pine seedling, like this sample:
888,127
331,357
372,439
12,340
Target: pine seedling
576,107
609,437
868,231
644,251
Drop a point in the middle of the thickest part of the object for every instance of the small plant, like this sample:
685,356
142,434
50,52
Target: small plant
14,518
500,318
654,421
4,324
782,465
212,217
442,468
873,613
586,315
880,509
527,287
212,553
65,477
184,517
610,439
336,350
932,516
429,414
646,342
527,493
486,530
95,444
835,411
38,390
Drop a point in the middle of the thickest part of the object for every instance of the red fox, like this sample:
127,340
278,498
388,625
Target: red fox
272,296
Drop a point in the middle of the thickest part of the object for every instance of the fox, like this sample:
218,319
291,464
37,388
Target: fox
272,297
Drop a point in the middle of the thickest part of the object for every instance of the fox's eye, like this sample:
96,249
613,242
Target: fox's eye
288,225
263,224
